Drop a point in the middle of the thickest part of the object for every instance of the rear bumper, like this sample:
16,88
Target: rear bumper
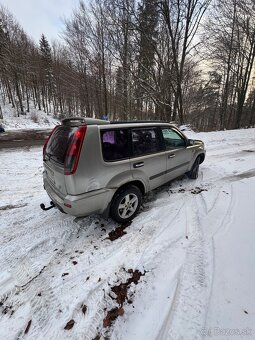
86,204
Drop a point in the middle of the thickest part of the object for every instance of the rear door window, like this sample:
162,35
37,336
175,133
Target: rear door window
145,141
115,144
58,144
172,139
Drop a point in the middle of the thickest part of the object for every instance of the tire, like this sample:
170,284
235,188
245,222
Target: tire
126,204
193,173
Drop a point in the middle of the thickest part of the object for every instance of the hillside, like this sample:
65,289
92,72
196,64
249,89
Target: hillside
35,119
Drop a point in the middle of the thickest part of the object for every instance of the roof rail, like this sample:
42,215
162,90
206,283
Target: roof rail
73,121
137,121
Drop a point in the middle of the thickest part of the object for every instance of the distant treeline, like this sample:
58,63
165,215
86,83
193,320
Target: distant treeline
189,61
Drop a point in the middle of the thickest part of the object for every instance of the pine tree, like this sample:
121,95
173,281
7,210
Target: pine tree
148,18
47,73
45,49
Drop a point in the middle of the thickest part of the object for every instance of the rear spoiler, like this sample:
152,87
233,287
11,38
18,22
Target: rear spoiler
74,121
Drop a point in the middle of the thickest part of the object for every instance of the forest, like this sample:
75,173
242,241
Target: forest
183,61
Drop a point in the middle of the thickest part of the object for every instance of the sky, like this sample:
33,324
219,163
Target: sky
41,16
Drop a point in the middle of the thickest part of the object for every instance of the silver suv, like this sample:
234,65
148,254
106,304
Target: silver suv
94,166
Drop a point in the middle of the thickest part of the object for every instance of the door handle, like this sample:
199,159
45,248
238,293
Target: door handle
171,155
138,165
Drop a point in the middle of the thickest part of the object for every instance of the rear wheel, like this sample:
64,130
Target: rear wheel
193,173
126,204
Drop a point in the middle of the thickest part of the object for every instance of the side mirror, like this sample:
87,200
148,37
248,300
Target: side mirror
190,142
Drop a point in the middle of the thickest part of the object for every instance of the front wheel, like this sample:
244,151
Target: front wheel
193,173
126,204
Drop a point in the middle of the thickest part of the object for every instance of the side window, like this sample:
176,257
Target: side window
145,141
172,139
115,144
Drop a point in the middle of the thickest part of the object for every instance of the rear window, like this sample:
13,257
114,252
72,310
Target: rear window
115,144
59,143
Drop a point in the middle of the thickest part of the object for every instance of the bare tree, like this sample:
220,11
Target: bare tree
231,46
182,20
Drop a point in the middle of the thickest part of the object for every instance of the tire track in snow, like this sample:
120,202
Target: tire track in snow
186,315
29,278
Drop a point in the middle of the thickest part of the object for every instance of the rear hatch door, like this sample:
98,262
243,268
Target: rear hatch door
54,157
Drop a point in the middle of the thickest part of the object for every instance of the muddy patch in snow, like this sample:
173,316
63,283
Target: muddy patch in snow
121,290
118,232
28,327
112,316
194,191
121,293
197,190
69,325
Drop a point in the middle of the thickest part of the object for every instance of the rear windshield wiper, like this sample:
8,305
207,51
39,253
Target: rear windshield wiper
49,155
55,158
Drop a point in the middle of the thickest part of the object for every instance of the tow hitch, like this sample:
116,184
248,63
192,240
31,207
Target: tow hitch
52,205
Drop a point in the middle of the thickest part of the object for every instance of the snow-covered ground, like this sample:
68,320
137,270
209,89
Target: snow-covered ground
35,119
63,278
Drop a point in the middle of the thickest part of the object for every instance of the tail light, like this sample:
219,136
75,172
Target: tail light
47,141
74,150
